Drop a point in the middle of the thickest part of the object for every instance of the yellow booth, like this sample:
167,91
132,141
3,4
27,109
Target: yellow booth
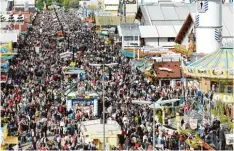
7,140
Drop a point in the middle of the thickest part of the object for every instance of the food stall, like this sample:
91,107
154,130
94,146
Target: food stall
5,139
198,144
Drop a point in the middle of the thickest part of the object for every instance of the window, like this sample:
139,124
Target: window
229,89
171,39
128,38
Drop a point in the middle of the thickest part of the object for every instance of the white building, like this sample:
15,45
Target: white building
161,22
156,36
111,6
189,25
130,34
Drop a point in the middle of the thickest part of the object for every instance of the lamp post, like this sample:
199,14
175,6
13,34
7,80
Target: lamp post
154,121
103,110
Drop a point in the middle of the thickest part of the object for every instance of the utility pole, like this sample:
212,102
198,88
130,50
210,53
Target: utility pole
103,98
125,11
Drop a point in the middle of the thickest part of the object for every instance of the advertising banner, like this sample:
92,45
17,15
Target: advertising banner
4,66
3,78
83,102
193,123
6,48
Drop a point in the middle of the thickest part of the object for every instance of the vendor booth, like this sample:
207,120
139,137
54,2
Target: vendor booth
198,144
92,131
87,102
215,72
4,70
7,140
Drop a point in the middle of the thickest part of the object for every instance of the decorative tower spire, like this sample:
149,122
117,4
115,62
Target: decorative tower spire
208,26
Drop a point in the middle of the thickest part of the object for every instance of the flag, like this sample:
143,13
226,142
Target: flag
47,78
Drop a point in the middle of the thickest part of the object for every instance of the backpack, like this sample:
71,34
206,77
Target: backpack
60,108
39,126
73,116
89,146
55,138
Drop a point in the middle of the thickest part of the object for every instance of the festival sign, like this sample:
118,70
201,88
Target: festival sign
6,48
4,66
193,123
3,78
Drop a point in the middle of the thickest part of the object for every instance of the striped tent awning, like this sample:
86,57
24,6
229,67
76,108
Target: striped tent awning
215,65
128,53
7,57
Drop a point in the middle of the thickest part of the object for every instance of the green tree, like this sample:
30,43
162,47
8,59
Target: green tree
48,3
92,6
66,4
219,112
39,4
74,3
59,2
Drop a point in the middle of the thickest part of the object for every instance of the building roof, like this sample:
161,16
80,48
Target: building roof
227,21
227,17
167,69
176,14
112,20
130,29
166,31
95,126
148,31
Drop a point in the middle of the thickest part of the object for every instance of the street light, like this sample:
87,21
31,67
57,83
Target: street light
103,110
154,120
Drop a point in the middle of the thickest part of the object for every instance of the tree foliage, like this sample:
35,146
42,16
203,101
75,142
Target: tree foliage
39,4
66,4
74,3
219,112
92,6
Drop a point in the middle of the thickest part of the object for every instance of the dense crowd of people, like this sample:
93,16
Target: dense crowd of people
33,103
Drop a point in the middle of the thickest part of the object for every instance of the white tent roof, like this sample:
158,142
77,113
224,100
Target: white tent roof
167,101
8,37
141,102
166,31
155,106
148,31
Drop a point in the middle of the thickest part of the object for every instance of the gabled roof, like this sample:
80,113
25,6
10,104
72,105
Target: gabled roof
176,14
227,21
185,27
165,14
149,31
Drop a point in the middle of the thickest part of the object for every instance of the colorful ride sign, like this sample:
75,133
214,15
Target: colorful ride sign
6,48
